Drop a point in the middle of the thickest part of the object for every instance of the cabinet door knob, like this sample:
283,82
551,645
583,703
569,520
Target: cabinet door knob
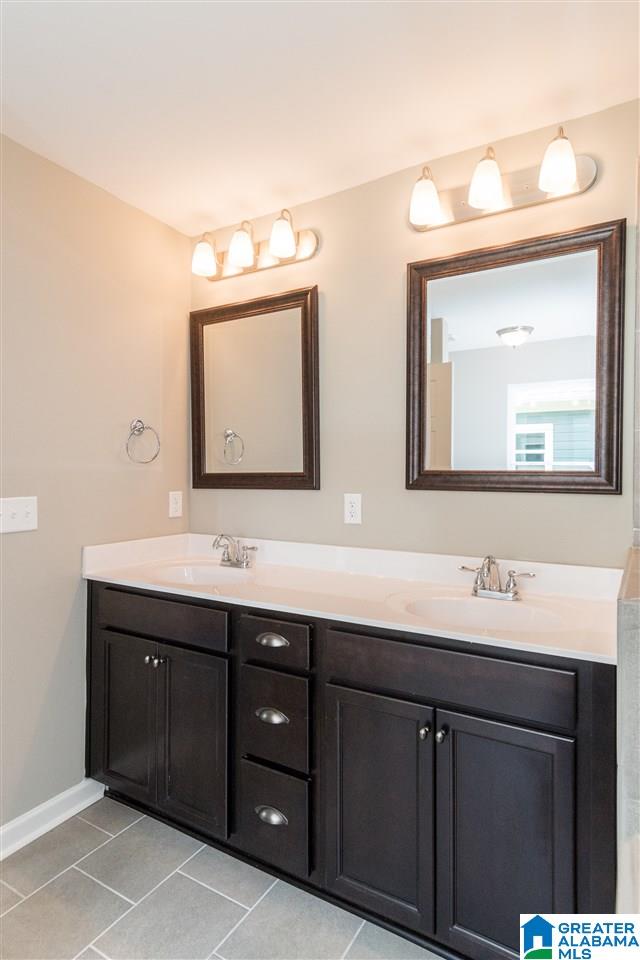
271,640
272,816
441,735
158,661
147,659
271,715
424,732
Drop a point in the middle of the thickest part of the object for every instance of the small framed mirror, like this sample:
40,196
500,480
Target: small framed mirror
514,378
254,393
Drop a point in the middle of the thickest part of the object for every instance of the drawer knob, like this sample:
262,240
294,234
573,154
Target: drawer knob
272,816
424,732
271,715
271,640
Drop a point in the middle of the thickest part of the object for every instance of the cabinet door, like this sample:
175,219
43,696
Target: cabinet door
378,763
192,742
122,714
505,831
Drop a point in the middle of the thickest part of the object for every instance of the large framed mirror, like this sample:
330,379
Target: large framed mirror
254,393
514,366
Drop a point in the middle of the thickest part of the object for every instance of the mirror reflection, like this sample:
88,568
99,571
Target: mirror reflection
511,367
253,410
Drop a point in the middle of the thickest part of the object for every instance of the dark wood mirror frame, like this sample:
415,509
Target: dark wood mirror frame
608,239
309,477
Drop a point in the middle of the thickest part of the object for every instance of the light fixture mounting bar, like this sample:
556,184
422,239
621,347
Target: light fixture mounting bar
306,247
521,190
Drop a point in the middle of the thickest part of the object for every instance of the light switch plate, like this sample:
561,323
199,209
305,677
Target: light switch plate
353,508
18,514
175,503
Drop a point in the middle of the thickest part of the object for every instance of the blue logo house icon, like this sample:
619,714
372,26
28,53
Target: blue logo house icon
537,939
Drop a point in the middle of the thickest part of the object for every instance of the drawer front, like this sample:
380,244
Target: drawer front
275,643
519,691
273,711
187,623
273,817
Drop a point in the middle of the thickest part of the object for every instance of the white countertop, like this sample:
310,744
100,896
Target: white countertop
565,611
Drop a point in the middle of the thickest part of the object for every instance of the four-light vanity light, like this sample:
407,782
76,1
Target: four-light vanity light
246,256
560,174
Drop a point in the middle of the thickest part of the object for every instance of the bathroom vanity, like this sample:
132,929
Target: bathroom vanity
438,781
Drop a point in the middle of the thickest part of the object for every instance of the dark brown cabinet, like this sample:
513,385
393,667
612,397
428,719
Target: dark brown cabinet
504,831
158,727
436,786
379,770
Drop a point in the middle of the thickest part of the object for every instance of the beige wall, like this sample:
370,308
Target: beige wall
94,324
360,270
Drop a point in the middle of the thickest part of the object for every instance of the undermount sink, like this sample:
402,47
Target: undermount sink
200,573
474,613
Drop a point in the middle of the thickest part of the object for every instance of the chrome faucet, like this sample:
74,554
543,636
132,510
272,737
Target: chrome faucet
234,553
487,582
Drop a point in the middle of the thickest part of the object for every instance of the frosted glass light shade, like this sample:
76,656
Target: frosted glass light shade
514,336
425,209
282,242
203,261
485,190
558,168
241,252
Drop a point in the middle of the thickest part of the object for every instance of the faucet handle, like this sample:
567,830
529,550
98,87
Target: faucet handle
469,569
511,583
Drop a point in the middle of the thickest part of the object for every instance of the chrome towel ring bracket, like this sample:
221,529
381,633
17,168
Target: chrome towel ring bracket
136,429
230,437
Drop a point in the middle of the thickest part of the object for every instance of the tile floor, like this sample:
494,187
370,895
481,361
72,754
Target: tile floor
111,883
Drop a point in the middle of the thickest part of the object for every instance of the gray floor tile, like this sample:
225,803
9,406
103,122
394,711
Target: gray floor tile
110,815
59,920
140,858
181,920
229,876
374,943
90,954
290,924
8,898
47,856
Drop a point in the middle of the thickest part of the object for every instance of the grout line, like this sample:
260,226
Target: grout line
213,890
66,869
141,900
352,941
241,920
13,889
105,885
96,950
84,820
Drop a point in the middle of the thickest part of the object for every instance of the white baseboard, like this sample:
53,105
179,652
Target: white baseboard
32,824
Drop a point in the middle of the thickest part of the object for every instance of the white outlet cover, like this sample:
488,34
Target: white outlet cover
353,508
175,503
18,514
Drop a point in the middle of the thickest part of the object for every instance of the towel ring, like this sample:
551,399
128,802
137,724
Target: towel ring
137,428
229,437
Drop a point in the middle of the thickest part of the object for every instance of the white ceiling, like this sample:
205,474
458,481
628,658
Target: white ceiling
202,113
556,296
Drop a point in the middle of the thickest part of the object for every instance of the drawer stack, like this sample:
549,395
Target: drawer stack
273,728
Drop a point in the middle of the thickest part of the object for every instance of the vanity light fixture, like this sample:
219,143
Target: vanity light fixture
425,209
514,336
241,250
558,171
282,243
203,261
485,190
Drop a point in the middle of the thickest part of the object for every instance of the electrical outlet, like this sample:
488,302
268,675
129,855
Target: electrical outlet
18,514
353,508
175,503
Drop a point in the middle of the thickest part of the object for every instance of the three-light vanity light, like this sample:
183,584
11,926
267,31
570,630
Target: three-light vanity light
245,255
560,174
